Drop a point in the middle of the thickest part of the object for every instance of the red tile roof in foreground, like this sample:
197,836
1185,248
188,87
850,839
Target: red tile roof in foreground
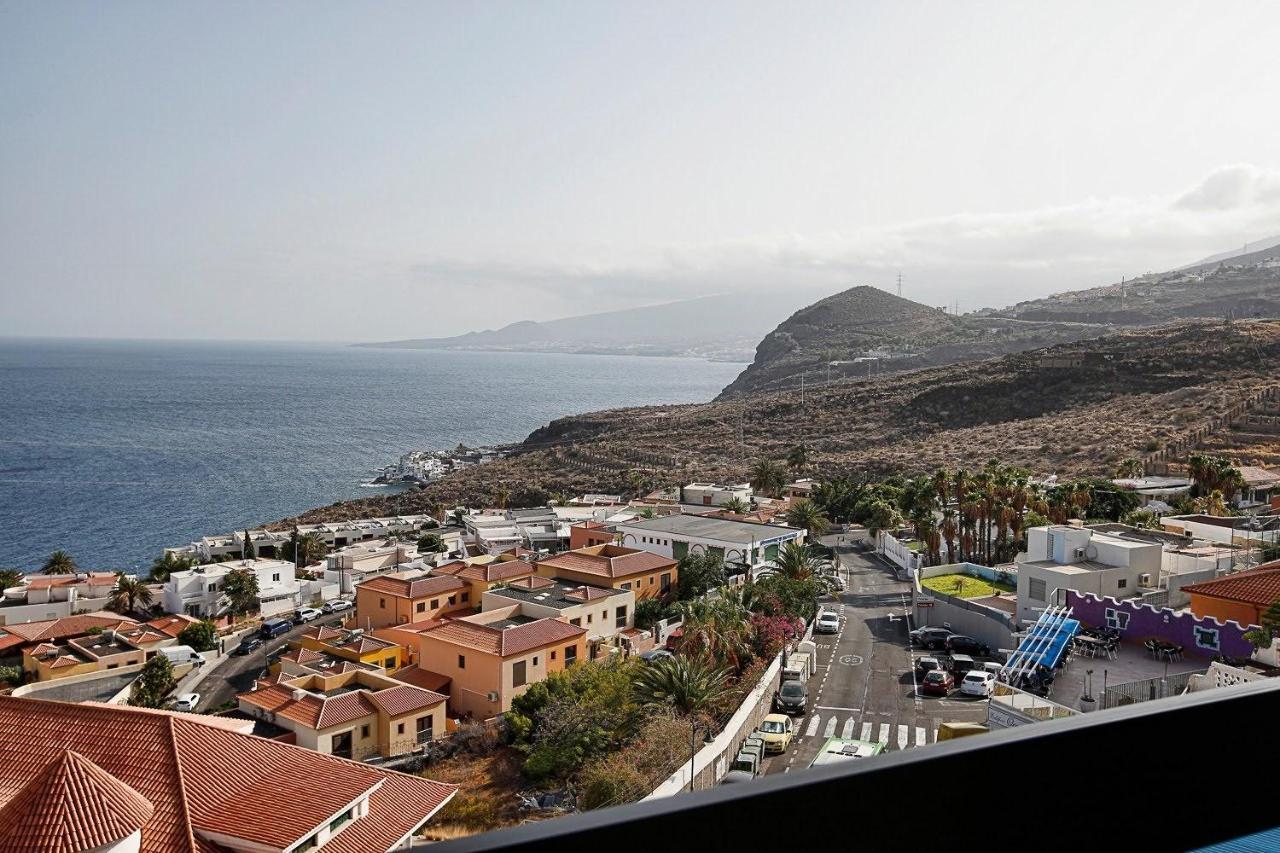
200,779
21,633
1258,586
610,561
71,805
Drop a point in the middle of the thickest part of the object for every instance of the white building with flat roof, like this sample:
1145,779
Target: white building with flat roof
737,542
200,592
1061,558
715,494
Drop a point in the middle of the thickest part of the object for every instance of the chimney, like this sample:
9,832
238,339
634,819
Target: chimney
299,694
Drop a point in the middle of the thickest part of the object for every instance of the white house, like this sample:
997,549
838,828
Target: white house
676,536
1061,558
199,591
715,494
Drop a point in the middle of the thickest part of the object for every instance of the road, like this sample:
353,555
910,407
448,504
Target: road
236,673
865,685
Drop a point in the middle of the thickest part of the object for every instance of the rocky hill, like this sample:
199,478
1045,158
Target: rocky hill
1072,409
864,331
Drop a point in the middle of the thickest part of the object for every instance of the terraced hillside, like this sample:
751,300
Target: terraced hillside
1074,409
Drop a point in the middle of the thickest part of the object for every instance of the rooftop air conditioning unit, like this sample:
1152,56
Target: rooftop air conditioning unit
492,696
1144,579
1079,552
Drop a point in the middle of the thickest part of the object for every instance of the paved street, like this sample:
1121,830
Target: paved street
236,674
864,687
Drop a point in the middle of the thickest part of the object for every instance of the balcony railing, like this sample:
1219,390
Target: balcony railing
1171,774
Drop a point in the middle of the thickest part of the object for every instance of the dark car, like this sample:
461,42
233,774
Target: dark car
967,645
791,698
930,638
249,646
938,683
926,665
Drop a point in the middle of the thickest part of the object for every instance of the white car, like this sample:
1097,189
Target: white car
977,682
186,702
307,614
335,605
827,623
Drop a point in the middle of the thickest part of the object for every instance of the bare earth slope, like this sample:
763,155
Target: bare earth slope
1075,408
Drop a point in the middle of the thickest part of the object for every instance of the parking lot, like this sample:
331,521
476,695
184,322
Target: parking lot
866,685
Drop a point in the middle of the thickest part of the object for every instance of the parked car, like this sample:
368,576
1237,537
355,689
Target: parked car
655,655
960,664
791,698
930,638
777,731
248,645
186,702
977,683
273,628
968,645
336,605
927,664
938,683
828,622
307,614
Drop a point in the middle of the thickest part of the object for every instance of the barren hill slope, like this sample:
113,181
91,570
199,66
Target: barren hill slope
1075,408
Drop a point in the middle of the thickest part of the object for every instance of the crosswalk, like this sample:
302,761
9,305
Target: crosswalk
847,725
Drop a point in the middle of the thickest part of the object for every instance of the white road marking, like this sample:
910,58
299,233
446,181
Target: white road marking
813,726
903,736
866,731
922,737
834,708
883,736
847,731
831,727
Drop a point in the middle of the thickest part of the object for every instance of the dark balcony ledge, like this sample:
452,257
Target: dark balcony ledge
1171,774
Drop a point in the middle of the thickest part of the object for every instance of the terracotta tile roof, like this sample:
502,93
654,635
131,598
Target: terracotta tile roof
343,708
323,632
405,699
1259,586
587,593
500,571
21,633
173,624
303,656
505,641
144,634
532,582
610,561
414,588
424,678
200,779
71,805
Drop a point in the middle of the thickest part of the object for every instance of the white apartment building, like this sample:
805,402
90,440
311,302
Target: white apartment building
336,534
1061,558
715,494
736,542
199,591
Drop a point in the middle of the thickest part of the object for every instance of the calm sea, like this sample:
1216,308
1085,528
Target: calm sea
113,450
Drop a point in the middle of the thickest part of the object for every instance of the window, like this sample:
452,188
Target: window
577,621
518,674
400,729
535,660
337,822
213,587
389,663
382,604
425,732
422,607
570,654
1036,589
466,596
627,585
1122,583
462,661
620,617
435,602
275,578
553,654
666,581
364,730
650,580
453,599
588,618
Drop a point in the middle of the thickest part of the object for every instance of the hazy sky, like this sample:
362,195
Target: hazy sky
378,170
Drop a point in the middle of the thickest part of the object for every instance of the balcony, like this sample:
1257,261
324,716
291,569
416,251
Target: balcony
1170,774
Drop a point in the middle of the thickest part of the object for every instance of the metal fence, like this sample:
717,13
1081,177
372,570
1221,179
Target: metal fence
1132,692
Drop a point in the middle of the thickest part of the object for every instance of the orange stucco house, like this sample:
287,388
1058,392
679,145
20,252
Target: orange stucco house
646,574
1242,597
404,597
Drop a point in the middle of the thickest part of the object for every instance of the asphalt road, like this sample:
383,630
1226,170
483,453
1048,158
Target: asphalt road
236,673
864,687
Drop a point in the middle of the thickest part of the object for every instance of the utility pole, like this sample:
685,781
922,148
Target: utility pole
899,285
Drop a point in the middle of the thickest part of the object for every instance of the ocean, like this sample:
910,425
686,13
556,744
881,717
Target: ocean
113,450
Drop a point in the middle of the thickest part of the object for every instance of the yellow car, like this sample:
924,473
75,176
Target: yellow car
777,731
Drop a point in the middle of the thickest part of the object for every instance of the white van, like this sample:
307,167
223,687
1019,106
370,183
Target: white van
179,655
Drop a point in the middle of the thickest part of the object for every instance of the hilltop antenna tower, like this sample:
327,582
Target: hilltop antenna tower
899,285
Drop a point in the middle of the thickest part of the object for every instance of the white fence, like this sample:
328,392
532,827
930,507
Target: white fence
898,553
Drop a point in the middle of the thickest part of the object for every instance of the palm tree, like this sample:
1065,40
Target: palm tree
60,563
806,514
10,577
168,563
798,460
501,496
1081,497
690,685
1130,469
1212,504
129,592
796,561
949,530
717,629
736,505
940,481
767,476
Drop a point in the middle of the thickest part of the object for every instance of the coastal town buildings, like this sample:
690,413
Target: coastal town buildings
18,636
199,592
403,597
644,573
337,534
81,655
605,612
715,494
43,597
1243,597
354,645
736,542
110,778
1061,558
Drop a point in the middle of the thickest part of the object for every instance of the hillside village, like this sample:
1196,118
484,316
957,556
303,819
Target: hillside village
545,632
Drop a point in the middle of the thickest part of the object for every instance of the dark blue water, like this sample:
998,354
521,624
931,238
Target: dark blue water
113,450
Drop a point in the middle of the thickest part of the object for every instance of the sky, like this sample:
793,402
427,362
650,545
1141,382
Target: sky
384,170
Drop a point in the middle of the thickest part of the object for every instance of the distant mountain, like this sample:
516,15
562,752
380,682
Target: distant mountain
864,331
724,327
1270,248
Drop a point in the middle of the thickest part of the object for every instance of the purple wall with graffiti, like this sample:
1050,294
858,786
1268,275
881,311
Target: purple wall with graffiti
1202,637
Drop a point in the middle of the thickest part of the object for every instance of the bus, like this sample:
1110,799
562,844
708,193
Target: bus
840,749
